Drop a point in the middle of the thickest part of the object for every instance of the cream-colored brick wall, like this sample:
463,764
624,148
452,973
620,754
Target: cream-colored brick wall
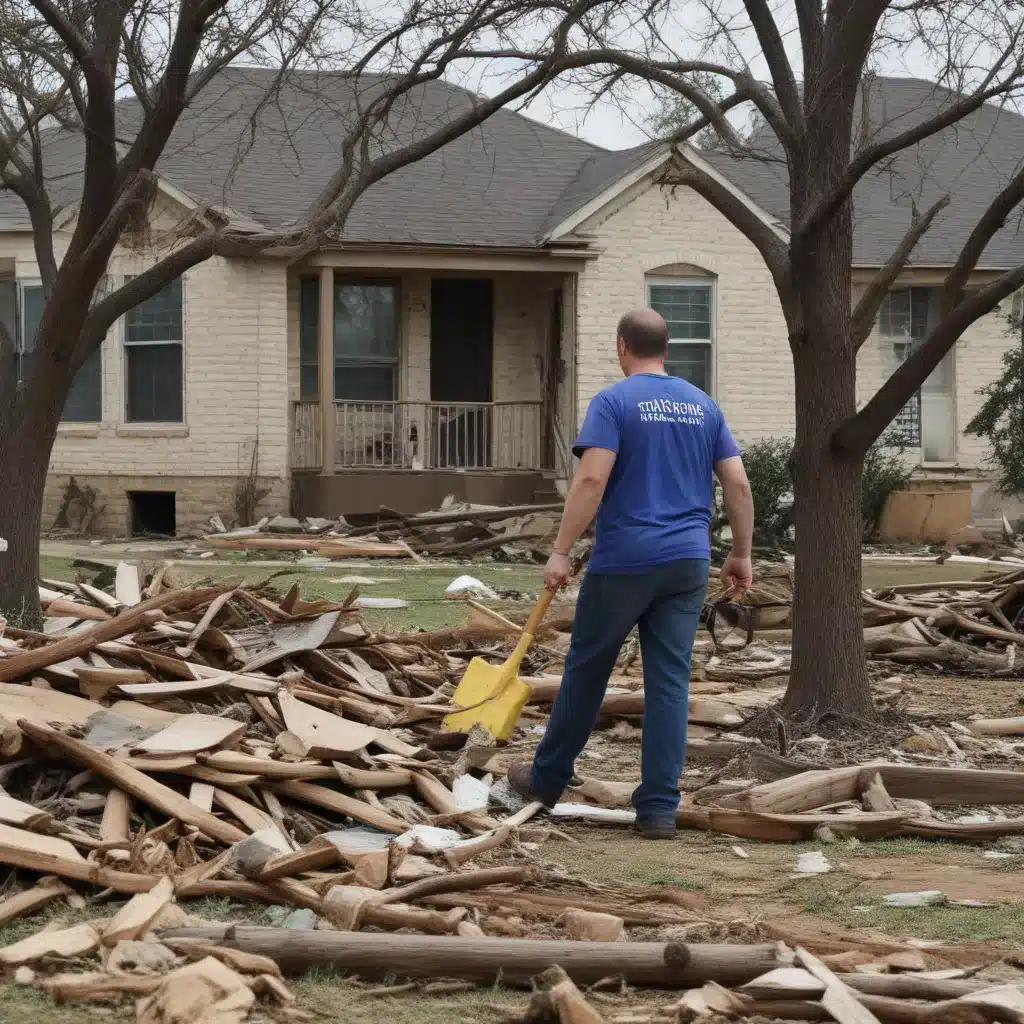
647,229
235,384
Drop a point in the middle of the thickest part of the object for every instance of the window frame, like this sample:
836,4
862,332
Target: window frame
393,362
127,344
304,364
708,284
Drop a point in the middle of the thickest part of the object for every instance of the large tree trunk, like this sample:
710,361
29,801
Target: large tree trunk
28,426
829,672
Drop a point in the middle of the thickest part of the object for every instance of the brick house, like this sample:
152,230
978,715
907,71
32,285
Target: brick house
467,314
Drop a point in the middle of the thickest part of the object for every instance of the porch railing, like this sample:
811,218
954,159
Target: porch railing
423,435
306,452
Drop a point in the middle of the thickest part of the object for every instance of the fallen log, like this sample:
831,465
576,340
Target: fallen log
997,727
485,960
949,786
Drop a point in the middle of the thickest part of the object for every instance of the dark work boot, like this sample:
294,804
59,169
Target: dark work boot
661,826
519,782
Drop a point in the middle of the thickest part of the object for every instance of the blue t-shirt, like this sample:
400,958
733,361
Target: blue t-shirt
667,436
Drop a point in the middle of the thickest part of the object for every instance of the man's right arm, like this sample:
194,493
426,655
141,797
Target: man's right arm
736,573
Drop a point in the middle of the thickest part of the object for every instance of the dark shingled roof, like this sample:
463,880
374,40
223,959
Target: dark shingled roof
494,186
971,161
511,181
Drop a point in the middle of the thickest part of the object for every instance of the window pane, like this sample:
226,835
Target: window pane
85,400
364,383
309,319
691,362
904,312
31,314
365,321
686,309
159,318
309,382
154,383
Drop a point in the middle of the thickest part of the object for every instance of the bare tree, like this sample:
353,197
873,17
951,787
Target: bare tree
820,122
114,78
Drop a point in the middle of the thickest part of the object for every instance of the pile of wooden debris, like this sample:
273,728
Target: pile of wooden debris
970,626
171,742
521,533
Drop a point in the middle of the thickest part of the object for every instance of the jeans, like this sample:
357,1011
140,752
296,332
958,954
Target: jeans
665,601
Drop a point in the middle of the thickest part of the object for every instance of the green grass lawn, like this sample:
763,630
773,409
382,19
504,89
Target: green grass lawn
422,585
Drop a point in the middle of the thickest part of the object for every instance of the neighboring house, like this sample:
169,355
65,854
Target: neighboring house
450,342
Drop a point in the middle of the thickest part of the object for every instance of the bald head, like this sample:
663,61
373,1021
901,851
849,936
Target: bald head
645,333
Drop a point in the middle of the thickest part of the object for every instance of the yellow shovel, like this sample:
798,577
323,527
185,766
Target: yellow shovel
493,695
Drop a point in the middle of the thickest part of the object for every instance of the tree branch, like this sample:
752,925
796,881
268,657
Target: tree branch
859,432
863,319
870,155
68,33
783,78
991,221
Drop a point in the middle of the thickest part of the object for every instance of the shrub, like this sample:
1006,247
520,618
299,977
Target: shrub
1000,420
767,465
771,483
885,470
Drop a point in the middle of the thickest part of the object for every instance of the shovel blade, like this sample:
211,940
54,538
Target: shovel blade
503,695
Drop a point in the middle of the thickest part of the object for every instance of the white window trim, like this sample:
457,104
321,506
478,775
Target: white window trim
907,339
693,282
127,426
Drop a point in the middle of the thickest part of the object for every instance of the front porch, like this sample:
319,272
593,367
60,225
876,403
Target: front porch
444,382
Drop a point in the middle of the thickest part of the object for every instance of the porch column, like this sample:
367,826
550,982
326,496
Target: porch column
325,358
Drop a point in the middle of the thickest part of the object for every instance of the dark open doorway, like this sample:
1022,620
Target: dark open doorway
461,371
152,513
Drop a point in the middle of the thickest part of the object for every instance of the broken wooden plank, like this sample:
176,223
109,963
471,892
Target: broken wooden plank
50,856
136,917
320,733
139,785
81,643
321,796
253,818
127,586
840,1002
265,768
68,942
29,901
192,733
16,812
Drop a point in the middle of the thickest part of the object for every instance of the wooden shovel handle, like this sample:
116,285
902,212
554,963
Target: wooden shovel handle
539,610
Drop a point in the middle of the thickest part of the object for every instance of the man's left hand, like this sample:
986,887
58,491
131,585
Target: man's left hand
557,571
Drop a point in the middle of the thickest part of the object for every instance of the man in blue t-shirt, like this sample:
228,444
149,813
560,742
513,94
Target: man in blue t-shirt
648,451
